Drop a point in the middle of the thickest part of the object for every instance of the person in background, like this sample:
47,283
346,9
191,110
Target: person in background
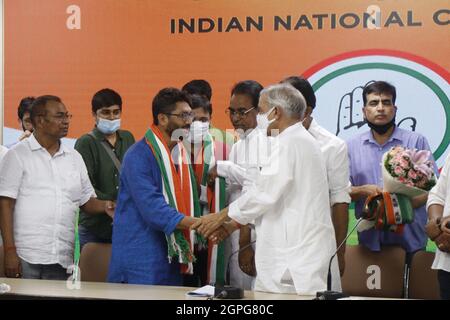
334,150
23,113
365,154
103,150
203,88
247,156
204,152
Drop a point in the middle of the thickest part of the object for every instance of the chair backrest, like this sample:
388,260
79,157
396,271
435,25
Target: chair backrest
374,274
423,281
94,262
2,263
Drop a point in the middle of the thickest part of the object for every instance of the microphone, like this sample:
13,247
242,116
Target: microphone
227,291
329,294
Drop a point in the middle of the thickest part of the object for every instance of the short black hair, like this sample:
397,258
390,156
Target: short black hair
25,106
105,98
305,88
38,106
165,101
200,87
199,101
379,87
250,88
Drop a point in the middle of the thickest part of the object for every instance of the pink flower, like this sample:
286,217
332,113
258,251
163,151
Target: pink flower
412,174
398,171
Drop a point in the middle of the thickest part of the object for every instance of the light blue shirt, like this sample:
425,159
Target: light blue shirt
365,156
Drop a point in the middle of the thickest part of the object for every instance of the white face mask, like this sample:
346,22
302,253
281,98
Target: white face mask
263,121
198,131
108,126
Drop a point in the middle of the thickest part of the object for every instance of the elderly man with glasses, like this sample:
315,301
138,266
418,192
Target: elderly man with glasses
246,159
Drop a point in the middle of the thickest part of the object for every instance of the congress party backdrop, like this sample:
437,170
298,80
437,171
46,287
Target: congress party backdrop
74,48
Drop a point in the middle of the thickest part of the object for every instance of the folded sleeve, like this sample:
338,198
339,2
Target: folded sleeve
11,175
438,194
338,176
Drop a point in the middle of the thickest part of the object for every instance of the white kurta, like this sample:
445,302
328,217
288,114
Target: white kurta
289,205
246,158
335,154
440,194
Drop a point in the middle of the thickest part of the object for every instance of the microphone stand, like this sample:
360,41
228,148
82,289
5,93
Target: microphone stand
329,294
227,291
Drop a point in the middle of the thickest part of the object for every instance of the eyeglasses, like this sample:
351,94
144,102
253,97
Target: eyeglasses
60,117
241,112
185,116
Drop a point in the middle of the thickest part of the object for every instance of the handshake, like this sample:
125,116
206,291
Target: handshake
216,226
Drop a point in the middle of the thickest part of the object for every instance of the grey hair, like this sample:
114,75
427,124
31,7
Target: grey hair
287,97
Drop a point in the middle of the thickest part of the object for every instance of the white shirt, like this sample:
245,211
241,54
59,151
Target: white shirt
3,151
440,194
335,154
48,192
289,205
247,157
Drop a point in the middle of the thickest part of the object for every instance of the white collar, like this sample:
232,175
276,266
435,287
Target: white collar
35,145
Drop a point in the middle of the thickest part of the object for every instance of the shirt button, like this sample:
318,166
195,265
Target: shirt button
117,188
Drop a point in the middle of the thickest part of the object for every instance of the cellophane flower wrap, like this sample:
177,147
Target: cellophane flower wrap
407,171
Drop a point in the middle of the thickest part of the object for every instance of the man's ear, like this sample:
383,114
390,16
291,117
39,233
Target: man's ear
162,119
308,111
364,112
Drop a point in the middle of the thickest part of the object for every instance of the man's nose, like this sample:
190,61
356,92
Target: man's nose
380,106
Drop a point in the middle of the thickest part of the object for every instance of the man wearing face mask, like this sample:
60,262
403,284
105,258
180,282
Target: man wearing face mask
246,158
204,151
102,150
288,203
365,153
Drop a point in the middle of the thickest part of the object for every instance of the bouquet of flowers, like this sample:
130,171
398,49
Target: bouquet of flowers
407,171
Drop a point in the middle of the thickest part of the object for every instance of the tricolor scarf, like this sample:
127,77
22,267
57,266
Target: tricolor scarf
212,202
180,193
216,202
389,211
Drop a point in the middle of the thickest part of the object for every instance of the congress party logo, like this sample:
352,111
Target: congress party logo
423,94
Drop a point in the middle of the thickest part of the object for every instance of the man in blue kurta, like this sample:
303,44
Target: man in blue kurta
365,153
145,220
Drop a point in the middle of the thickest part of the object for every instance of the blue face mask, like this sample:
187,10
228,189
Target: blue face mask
108,126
